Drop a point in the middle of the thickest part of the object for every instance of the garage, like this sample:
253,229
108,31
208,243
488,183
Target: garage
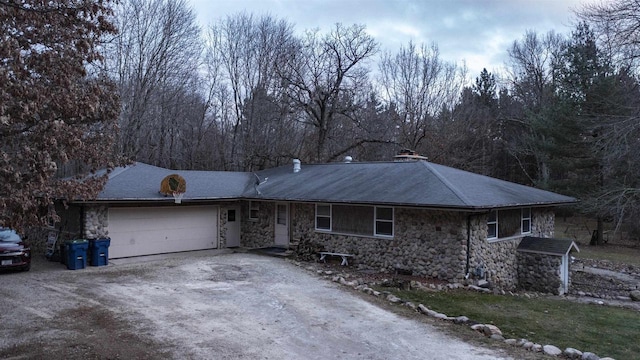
136,231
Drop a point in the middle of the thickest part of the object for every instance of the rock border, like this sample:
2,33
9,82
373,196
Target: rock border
488,330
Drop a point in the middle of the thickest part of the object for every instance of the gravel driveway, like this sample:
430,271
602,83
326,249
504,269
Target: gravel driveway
204,305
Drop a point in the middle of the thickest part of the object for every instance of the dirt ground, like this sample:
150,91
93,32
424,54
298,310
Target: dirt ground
205,306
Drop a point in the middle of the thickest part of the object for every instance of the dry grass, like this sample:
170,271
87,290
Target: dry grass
615,254
579,229
618,247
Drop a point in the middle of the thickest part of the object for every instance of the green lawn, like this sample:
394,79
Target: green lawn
606,331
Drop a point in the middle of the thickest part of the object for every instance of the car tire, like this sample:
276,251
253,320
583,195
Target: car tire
27,267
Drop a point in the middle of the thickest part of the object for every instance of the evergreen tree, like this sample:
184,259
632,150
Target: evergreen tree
587,96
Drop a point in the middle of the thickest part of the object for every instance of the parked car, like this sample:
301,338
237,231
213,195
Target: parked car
14,252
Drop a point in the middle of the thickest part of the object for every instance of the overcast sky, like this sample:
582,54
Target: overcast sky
476,31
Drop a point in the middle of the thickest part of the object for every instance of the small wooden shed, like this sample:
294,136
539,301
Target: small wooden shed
539,261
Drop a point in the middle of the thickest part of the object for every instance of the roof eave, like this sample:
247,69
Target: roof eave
469,208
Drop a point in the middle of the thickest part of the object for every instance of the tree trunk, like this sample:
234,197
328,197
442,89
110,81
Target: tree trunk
600,230
596,236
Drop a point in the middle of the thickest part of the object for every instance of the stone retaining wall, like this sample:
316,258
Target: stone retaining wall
539,272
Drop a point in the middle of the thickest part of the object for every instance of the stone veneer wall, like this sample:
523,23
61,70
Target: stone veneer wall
429,243
539,272
426,242
498,260
96,221
260,232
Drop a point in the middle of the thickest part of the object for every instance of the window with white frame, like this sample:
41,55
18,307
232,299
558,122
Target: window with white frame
355,219
323,217
492,225
508,223
526,221
254,209
384,221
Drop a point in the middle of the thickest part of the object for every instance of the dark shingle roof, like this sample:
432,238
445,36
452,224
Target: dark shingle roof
549,246
412,183
142,182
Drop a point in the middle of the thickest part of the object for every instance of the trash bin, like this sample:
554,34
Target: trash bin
76,254
99,250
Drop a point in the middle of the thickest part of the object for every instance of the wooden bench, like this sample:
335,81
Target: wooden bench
323,255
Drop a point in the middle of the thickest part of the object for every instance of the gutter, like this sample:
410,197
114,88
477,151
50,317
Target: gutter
466,276
468,265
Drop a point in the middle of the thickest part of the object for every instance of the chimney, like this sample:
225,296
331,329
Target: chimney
296,165
408,155
348,159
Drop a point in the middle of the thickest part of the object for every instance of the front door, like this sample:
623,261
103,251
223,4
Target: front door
233,226
282,225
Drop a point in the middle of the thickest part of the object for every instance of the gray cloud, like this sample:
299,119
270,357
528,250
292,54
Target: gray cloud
477,31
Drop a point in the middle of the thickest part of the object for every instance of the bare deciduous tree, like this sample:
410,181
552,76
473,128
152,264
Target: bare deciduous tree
323,75
420,85
154,60
243,52
618,24
531,67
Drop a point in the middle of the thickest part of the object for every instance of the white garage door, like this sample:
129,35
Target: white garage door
158,230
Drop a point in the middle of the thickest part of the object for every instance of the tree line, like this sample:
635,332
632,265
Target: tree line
249,92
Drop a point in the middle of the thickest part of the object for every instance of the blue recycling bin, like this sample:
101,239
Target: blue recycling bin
76,254
99,250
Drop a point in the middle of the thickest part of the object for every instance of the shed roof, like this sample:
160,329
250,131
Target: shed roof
550,246
411,183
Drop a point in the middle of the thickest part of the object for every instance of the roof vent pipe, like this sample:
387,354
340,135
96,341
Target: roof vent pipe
348,159
296,165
